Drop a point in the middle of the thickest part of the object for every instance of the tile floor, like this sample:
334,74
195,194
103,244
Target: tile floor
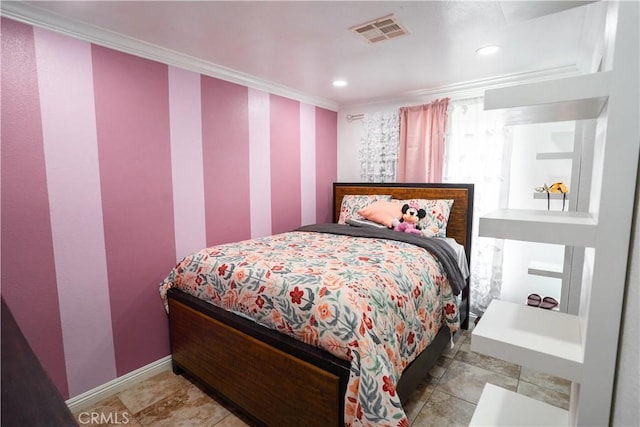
447,397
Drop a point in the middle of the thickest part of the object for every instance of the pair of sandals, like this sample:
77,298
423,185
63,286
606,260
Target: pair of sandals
534,300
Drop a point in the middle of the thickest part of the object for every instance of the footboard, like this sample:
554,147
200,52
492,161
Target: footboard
274,378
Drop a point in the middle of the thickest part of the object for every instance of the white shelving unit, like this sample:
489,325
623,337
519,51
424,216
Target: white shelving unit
555,155
500,407
566,228
543,340
581,347
569,98
560,271
545,269
552,196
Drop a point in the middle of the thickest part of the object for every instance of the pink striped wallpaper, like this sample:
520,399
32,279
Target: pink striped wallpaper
225,141
75,205
285,163
132,123
114,167
28,266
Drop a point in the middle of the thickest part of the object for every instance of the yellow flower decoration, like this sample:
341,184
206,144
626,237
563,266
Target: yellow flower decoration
559,187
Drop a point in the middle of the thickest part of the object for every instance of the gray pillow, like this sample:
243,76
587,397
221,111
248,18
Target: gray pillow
364,223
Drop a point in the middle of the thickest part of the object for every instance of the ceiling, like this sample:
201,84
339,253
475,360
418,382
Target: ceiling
302,46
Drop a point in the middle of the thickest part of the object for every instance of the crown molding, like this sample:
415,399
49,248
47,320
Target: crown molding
470,89
29,14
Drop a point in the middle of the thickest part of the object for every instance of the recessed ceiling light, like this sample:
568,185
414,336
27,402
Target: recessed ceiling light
339,83
487,50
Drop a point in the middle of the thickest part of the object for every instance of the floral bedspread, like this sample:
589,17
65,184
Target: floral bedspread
374,302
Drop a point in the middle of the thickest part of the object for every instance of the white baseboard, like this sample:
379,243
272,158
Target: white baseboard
93,396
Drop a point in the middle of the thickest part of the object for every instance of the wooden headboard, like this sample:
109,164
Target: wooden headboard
460,218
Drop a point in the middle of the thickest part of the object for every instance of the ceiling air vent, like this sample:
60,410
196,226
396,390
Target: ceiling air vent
386,27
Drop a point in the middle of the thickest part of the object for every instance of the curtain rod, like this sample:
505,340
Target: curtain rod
352,117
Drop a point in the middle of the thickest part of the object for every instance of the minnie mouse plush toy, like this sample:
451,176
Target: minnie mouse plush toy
411,215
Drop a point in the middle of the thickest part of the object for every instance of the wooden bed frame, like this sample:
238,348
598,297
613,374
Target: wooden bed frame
277,380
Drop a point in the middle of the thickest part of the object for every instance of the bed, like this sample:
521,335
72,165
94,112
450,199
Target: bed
280,380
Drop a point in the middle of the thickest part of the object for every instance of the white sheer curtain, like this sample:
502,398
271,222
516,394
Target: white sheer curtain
379,147
478,151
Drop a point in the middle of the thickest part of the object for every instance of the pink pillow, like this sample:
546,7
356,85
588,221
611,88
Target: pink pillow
383,212
352,203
